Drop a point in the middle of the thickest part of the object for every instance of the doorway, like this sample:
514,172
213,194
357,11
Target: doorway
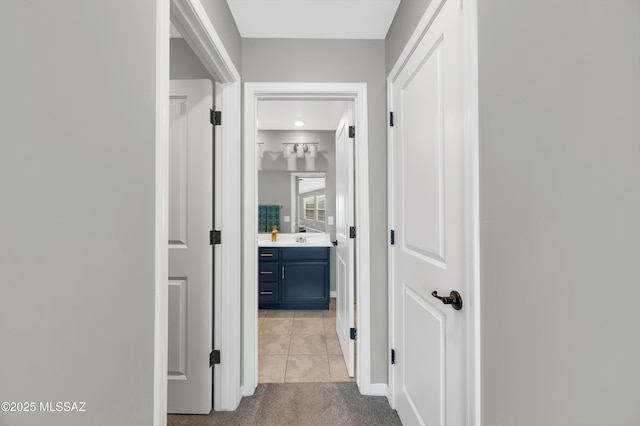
254,93
192,22
297,182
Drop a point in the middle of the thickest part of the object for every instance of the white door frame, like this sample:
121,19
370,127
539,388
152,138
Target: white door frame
471,136
194,24
253,92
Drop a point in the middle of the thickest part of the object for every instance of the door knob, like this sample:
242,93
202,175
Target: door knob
454,299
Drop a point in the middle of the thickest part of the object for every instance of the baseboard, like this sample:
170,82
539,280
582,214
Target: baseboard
378,389
332,294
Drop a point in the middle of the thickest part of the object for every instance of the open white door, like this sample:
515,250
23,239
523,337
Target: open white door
190,253
428,217
345,251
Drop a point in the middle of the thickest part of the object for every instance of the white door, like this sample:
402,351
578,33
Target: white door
428,217
345,251
190,253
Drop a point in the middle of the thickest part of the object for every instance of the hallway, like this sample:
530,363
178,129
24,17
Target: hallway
299,404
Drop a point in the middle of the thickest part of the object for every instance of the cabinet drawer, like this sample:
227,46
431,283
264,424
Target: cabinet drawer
268,254
305,253
267,271
268,292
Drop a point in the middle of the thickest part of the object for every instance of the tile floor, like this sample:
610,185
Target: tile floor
299,347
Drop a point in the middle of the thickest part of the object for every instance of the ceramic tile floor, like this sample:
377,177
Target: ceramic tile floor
299,347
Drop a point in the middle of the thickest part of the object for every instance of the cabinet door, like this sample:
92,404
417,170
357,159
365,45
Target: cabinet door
305,281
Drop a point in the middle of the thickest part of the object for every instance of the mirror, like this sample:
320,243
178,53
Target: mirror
293,201
280,189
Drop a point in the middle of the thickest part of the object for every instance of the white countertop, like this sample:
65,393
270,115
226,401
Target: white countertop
289,240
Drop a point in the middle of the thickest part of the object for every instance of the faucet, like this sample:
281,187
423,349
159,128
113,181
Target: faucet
301,240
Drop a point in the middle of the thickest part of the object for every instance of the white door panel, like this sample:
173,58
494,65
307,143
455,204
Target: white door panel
428,218
424,346
190,254
345,251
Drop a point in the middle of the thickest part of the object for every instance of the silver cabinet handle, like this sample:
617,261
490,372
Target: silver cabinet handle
266,254
266,272
266,292
283,272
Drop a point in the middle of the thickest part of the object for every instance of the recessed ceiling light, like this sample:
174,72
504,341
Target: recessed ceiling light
298,123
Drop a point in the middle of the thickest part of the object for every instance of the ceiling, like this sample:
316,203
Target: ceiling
317,19
316,115
308,19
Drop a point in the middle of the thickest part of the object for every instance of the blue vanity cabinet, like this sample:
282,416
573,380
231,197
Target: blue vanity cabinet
303,281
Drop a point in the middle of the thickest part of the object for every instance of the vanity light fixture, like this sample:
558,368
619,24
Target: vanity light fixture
286,150
300,149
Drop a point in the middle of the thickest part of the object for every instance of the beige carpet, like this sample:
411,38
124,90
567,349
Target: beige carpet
301,404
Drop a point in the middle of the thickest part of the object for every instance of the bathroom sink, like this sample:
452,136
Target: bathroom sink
295,240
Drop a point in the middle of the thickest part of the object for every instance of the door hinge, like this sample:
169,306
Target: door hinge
352,334
352,131
391,118
352,232
215,117
393,356
215,237
214,357
393,237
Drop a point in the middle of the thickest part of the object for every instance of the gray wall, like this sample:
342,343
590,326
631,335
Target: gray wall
288,60
560,212
407,16
224,24
184,63
274,188
77,184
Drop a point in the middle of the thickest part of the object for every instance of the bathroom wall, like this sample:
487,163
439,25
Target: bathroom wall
274,188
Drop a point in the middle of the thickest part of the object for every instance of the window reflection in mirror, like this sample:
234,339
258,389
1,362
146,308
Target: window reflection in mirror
311,202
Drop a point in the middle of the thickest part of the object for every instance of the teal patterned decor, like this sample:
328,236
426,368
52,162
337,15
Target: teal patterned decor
268,217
